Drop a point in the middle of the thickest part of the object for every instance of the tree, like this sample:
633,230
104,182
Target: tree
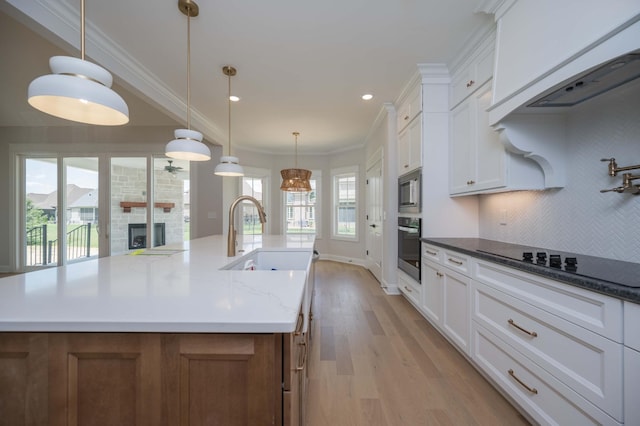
35,216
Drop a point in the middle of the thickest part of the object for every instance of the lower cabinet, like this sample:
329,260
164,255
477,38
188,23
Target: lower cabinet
558,351
410,288
540,394
295,375
446,293
148,379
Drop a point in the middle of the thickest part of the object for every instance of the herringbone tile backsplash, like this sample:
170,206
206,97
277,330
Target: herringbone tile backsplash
578,218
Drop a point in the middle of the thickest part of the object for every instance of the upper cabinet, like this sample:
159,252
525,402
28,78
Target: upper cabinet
410,130
472,75
542,43
478,158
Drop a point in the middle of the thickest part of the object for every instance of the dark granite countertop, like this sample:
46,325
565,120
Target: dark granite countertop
614,278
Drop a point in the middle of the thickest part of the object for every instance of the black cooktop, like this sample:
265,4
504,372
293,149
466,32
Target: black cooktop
615,278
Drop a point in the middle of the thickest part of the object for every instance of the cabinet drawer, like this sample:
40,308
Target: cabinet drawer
593,311
410,288
545,398
456,261
432,253
585,361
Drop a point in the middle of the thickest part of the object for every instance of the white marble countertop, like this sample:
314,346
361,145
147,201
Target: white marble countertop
177,288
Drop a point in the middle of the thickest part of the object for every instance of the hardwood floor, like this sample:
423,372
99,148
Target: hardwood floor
376,361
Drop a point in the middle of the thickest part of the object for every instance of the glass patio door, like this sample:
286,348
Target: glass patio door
61,211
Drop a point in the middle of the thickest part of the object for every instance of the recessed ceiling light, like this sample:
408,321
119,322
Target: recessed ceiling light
367,96
233,98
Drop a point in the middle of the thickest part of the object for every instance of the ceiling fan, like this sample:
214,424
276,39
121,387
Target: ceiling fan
171,168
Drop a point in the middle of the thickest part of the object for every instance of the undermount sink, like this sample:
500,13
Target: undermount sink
271,260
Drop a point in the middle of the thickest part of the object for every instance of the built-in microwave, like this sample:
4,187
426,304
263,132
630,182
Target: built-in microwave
409,192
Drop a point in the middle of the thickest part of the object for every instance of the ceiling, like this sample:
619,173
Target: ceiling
302,66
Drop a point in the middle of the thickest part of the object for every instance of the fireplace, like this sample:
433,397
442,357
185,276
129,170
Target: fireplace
138,235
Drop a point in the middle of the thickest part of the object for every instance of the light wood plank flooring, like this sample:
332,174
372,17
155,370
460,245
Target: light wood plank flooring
376,361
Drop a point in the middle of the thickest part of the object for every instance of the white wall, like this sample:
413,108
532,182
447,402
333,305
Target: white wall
578,218
345,250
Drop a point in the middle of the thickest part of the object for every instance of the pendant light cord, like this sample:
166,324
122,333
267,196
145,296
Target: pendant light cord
82,29
189,69
229,102
296,149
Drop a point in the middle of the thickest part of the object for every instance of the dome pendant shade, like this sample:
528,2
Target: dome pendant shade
187,145
80,91
229,167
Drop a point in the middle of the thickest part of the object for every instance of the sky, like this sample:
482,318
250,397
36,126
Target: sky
42,176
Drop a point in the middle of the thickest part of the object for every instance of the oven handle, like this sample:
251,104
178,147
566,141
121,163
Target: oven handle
408,230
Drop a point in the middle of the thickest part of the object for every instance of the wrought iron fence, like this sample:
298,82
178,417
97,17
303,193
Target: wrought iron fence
41,251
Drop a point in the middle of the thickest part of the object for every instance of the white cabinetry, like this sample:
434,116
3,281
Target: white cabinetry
446,293
410,132
476,71
477,157
410,147
410,288
479,161
556,348
631,363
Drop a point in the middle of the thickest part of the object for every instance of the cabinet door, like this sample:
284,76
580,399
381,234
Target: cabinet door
432,283
477,158
23,379
490,153
462,148
631,386
104,379
404,151
225,379
415,143
455,317
410,147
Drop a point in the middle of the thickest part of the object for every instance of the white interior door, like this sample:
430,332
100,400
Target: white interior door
374,219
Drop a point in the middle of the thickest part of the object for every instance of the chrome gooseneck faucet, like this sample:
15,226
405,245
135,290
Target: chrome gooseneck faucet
231,238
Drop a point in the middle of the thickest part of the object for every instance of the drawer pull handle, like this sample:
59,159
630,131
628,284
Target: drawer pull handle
440,274
299,324
530,333
457,262
406,117
432,253
470,83
532,390
408,289
303,358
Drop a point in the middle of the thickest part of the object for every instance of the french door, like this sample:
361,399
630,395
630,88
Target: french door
60,211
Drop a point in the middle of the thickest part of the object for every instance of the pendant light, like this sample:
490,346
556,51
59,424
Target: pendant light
188,144
229,166
78,90
295,180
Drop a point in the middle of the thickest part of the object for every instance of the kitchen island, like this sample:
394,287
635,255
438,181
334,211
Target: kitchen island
158,336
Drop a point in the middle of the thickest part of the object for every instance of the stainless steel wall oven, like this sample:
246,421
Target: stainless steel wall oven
409,246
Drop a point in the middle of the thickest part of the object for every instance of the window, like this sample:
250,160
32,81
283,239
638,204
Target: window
302,209
345,203
253,185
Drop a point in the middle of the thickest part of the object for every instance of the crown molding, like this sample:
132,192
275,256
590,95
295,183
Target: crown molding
63,21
